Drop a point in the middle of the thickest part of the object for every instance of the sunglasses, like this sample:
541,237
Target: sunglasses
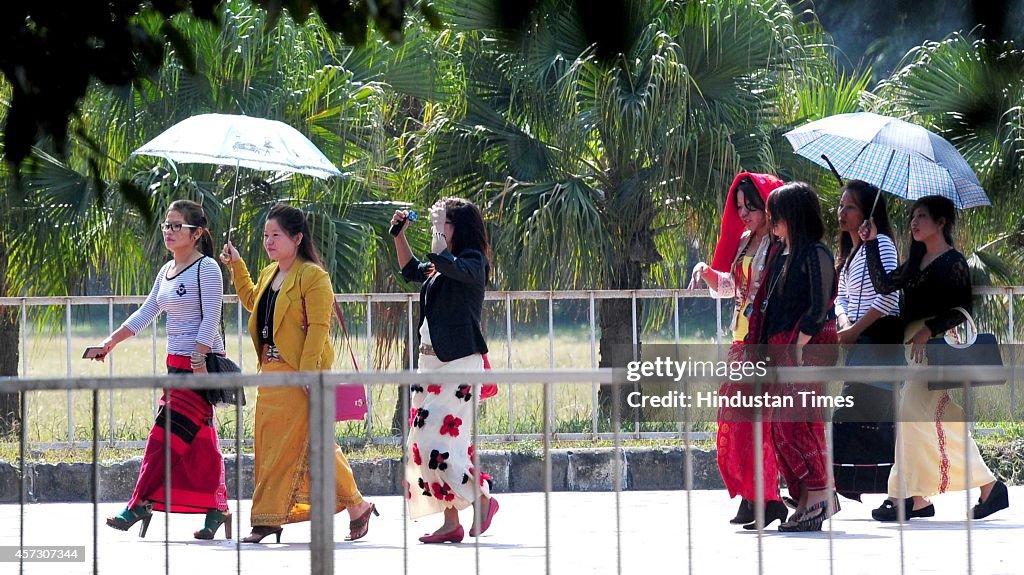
176,227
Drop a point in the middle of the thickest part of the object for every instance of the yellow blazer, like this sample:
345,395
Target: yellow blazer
303,347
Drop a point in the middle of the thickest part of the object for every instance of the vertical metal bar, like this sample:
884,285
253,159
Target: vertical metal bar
156,391
547,483
718,321
110,372
406,406
675,338
322,476
369,367
96,475
550,404
508,363
22,452
1013,357
238,478
688,478
594,410
636,356
24,339
901,489
168,401
239,321
67,360
411,340
617,470
968,444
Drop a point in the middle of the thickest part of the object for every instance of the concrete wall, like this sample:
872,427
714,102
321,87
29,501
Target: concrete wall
571,470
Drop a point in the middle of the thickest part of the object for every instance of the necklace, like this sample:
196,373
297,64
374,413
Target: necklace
774,282
271,298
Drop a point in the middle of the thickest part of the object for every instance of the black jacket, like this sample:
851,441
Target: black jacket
452,302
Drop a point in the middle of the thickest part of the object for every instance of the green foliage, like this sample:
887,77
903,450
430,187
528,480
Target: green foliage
51,56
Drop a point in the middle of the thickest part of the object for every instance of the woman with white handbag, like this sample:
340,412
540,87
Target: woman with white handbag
938,453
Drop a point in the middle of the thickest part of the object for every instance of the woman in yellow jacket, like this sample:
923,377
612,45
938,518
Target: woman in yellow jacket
290,321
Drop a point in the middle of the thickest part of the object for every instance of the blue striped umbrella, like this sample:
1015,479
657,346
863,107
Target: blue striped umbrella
897,156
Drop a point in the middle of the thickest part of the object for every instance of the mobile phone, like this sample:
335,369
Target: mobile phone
93,352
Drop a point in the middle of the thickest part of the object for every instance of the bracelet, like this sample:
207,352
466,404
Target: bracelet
198,359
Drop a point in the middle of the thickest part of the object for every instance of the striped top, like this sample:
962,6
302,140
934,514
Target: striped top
187,325
857,294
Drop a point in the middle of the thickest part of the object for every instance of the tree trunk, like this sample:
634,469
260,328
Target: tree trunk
616,321
10,403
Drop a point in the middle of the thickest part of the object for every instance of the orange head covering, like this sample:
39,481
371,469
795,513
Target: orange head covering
732,225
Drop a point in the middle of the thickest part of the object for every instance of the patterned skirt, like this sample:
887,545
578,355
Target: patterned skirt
439,470
197,467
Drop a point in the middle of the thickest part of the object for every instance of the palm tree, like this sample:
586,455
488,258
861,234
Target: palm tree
598,165
69,220
970,91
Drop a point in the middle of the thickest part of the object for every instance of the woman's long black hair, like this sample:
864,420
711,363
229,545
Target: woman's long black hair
937,207
469,230
293,222
863,195
195,216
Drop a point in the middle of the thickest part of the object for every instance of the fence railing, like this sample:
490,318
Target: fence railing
722,313
321,440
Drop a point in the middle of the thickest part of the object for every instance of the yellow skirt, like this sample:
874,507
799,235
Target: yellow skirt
939,453
282,457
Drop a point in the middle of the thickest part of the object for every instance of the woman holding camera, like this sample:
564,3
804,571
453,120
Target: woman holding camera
440,476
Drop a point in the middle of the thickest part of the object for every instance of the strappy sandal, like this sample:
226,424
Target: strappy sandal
130,516
809,520
214,519
359,526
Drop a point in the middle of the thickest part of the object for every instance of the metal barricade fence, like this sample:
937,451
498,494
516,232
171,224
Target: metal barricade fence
409,300
322,433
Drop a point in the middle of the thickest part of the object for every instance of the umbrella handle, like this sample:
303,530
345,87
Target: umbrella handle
835,172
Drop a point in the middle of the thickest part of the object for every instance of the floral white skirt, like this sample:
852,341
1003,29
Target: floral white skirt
439,469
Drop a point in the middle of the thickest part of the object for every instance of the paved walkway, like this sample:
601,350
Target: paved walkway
653,538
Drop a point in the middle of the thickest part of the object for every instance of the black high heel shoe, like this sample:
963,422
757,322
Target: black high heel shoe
124,520
261,531
772,510
745,514
998,499
810,520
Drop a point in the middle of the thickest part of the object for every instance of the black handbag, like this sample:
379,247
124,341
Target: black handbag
218,364
981,349
222,397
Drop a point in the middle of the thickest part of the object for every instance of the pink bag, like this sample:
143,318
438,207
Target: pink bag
349,398
349,402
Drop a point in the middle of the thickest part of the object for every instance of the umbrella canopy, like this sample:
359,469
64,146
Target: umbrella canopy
227,139
897,156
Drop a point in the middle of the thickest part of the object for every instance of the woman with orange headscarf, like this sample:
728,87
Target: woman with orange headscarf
735,272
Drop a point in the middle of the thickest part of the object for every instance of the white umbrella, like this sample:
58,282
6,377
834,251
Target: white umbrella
242,141
897,156
227,139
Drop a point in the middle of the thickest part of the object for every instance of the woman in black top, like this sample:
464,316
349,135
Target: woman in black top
794,308
440,473
935,281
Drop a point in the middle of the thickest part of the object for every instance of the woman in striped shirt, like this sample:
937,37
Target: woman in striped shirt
189,289
863,436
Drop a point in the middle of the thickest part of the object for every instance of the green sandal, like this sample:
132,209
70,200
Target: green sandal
124,520
214,519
